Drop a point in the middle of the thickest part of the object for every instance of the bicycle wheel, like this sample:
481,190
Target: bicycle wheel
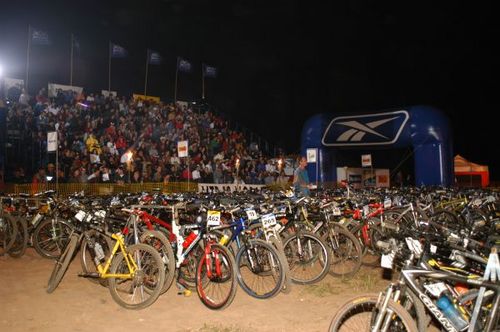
158,241
359,314
8,232
371,255
62,264
346,251
146,283
87,254
287,285
307,257
50,238
260,269
187,270
20,244
216,277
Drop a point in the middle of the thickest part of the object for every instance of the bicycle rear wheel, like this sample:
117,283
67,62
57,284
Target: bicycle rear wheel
216,277
145,285
8,232
87,254
346,251
20,244
158,241
307,257
359,314
260,269
62,264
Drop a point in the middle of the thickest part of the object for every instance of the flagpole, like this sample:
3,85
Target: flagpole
109,70
28,58
176,72
203,81
71,63
146,78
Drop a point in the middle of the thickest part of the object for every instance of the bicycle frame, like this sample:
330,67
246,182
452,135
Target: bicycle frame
132,266
410,276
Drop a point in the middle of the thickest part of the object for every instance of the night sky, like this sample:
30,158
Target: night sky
279,62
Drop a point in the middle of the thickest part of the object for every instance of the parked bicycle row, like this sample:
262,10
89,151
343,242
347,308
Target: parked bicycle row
137,245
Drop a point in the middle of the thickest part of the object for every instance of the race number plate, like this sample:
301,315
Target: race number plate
336,211
387,203
268,220
80,215
251,214
213,218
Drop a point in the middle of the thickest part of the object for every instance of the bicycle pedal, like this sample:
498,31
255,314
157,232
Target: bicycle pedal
185,292
89,275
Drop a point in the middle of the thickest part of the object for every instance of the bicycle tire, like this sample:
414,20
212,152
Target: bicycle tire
8,232
366,306
230,279
87,255
344,247
20,244
148,279
278,244
287,285
157,240
243,262
371,256
299,262
48,244
62,264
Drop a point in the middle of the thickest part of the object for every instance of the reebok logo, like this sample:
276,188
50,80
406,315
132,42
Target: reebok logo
368,129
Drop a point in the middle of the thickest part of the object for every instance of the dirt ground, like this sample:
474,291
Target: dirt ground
79,305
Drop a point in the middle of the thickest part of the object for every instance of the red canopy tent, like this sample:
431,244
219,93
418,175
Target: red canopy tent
469,174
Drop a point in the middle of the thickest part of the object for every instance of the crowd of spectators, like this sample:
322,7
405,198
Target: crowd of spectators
119,140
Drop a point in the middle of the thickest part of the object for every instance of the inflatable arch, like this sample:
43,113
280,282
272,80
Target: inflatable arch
424,128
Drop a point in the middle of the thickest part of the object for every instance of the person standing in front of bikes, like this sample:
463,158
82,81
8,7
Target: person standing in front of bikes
301,178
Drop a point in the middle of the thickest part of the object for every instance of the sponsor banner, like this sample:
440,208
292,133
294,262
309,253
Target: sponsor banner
12,87
107,93
53,89
218,187
365,130
182,149
137,97
383,178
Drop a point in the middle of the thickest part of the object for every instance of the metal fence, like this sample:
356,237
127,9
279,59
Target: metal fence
66,189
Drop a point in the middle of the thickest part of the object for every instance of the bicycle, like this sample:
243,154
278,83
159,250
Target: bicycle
135,273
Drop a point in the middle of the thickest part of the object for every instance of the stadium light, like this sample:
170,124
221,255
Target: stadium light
1,70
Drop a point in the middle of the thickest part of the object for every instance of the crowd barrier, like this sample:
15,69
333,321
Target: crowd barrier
66,189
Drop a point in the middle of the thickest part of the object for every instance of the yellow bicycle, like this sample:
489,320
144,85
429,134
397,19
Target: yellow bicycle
135,273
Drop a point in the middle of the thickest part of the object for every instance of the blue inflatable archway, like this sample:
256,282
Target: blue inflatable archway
426,129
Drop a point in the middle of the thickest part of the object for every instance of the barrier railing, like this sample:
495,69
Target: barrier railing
66,189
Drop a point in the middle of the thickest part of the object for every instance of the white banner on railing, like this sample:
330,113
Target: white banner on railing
226,187
53,89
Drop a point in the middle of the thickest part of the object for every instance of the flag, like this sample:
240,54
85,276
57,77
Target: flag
39,37
76,43
209,71
51,141
154,58
184,65
117,51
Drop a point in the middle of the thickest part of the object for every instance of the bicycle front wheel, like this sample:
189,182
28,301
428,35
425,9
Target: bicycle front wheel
62,264
360,314
145,284
216,277
50,238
